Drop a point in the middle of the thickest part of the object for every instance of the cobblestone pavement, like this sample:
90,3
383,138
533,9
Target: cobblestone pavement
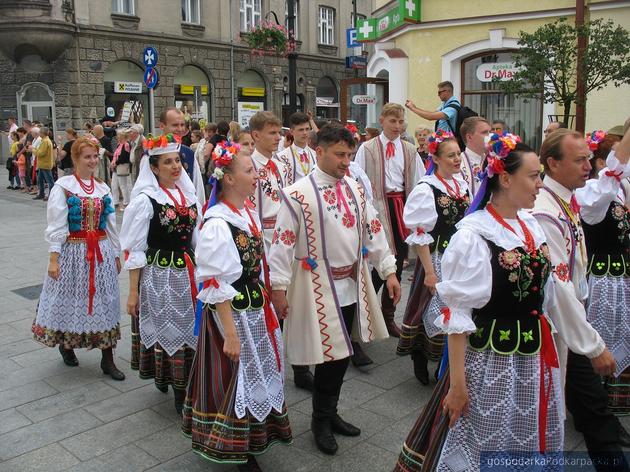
57,418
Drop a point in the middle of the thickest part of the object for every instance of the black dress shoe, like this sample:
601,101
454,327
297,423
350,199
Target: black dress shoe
322,431
303,378
68,356
420,369
250,466
162,388
342,427
180,396
360,358
624,437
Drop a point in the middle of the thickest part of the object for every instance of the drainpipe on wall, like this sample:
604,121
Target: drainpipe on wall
233,117
77,31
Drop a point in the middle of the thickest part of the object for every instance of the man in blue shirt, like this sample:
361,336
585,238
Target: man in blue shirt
446,114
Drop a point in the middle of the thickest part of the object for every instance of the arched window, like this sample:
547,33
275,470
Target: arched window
193,94
126,97
327,98
252,95
36,102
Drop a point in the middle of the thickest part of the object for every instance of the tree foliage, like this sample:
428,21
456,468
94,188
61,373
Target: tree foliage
548,60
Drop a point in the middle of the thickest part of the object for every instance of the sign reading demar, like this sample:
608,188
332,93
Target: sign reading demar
403,12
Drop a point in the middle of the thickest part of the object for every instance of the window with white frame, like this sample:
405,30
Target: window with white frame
296,10
191,11
353,23
250,14
124,7
327,26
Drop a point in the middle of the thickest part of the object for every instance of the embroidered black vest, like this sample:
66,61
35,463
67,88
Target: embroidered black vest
510,323
251,293
170,235
450,211
608,243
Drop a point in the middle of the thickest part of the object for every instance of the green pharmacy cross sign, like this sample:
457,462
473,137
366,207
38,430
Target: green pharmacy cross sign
404,11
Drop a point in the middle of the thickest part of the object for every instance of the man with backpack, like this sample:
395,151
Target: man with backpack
450,114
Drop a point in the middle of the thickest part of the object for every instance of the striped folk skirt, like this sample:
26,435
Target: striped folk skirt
154,363
418,332
209,415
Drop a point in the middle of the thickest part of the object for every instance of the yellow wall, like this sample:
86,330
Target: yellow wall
611,105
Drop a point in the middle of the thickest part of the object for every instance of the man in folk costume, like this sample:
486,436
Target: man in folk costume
394,168
324,236
265,128
299,159
565,156
475,131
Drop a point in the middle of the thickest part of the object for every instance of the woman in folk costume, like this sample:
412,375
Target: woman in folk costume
80,303
234,406
324,236
433,208
502,392
158,237
606,221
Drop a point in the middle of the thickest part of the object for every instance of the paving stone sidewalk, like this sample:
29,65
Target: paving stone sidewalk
57,418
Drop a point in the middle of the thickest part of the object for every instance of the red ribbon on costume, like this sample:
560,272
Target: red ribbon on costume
212,281
341,199
574,206
397,199
304,157
446,311
548,360
616,175
92,256
270,165
191,276
390,150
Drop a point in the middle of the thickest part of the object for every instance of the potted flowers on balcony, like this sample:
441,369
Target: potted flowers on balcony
270,39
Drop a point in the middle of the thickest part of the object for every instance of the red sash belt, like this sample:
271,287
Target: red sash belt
93,255
548,360
190,267
398,200
269,223
339,273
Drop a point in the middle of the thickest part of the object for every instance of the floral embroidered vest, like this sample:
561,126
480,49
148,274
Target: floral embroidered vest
88,214
170,235
608,243
251,293
510,322
450,211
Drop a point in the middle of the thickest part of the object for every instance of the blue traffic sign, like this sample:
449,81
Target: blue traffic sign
151,77
149,57
351,38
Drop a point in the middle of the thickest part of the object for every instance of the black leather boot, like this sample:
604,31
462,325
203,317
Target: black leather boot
250,466
179,397
68,356
302,377
324,408
108,366
360,358
420,369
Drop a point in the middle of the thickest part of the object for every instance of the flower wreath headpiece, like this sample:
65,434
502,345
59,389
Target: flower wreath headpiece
593,139
436,139
498,148
163,144
222,156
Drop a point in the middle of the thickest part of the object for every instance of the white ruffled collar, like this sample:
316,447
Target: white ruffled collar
435,182
484,224
70,184
242,222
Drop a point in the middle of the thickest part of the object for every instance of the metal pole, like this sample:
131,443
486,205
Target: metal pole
580,105
354,17
152,112
292,60
231,70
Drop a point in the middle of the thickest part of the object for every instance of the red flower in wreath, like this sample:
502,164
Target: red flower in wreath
288,237
375,226
562,272
330,197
